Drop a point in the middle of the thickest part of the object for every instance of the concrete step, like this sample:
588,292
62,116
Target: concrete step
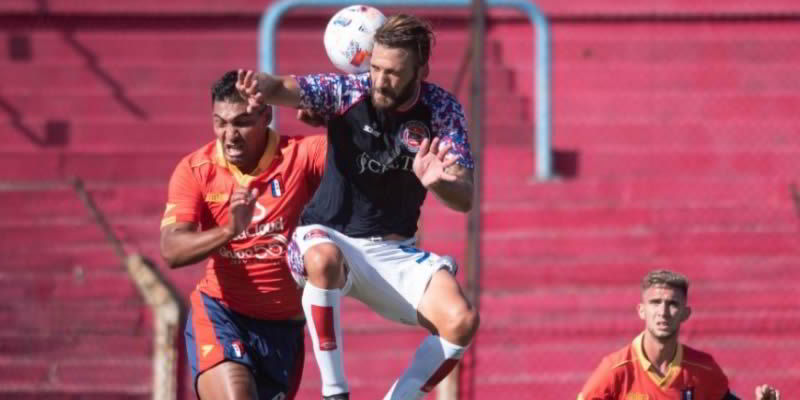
131,376
21,346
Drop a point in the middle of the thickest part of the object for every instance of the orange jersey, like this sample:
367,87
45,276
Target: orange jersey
249,274
628,375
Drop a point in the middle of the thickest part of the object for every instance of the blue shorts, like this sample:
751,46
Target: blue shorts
272,350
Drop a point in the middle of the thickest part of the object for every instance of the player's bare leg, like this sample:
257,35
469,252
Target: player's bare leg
322,296
227,381
452,321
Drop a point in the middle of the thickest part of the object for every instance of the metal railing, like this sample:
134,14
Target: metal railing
543,164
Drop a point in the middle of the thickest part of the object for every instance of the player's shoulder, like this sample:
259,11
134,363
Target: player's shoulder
613,368
437,97
619,361
700,361
303,140
302,144
203,156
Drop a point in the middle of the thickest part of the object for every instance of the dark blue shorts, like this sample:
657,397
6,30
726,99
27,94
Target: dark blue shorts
272,350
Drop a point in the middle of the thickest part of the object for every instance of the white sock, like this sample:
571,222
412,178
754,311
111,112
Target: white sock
434,359
322,311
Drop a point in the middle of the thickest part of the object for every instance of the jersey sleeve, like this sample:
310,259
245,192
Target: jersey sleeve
448,123
331,94
718,382
600,385
184,197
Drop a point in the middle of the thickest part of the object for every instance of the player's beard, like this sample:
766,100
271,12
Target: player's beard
396,99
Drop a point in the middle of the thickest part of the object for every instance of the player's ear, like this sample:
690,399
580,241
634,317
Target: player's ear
640,310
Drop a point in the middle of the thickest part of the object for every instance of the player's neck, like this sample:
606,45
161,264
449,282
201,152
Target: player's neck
251,166
411,101
660,353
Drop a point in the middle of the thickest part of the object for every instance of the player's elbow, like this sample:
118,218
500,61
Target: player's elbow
170,256
466,204
463,203
170,259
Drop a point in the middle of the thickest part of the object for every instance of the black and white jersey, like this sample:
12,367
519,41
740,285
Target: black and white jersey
368,187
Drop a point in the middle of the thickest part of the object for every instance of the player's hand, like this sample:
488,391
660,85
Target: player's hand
242,204
309,117
247,85
430,163
767,392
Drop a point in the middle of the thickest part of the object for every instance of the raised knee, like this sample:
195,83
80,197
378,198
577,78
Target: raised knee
462,326
324,264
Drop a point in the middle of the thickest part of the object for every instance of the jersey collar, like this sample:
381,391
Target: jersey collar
647,366
263,163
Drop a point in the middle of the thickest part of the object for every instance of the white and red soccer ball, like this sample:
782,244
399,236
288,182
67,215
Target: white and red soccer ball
350,35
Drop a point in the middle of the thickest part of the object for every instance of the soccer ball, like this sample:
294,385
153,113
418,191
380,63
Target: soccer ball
350,35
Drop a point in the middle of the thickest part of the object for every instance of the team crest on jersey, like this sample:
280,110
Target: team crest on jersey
275,188
412,134
238,349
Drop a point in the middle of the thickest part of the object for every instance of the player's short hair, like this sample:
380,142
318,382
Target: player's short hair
663,277
407,32
224,89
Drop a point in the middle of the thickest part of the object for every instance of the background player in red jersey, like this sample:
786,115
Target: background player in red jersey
655,366
237,200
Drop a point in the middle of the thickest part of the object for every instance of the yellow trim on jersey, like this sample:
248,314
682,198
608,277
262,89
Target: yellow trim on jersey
170,206
168,221
199,163
266,159
674,365
621,364
216,197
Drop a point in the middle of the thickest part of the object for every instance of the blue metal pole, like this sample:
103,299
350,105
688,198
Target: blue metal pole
543,166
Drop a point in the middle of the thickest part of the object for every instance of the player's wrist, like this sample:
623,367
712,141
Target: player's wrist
229,231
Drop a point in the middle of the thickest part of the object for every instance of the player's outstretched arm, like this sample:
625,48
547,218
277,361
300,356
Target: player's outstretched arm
182,244
262,89
450,182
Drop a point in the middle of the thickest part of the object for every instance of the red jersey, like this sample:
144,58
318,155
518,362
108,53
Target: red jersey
628,375
249,274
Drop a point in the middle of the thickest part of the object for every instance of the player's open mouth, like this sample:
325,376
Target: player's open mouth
234,150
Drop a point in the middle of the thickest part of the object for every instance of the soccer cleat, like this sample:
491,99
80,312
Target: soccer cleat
340,396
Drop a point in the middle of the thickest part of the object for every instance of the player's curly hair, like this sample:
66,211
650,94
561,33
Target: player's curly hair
663,277
224,89
408,32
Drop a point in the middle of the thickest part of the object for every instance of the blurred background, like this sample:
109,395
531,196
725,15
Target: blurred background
676,139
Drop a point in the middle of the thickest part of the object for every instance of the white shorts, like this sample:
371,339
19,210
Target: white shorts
389,276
